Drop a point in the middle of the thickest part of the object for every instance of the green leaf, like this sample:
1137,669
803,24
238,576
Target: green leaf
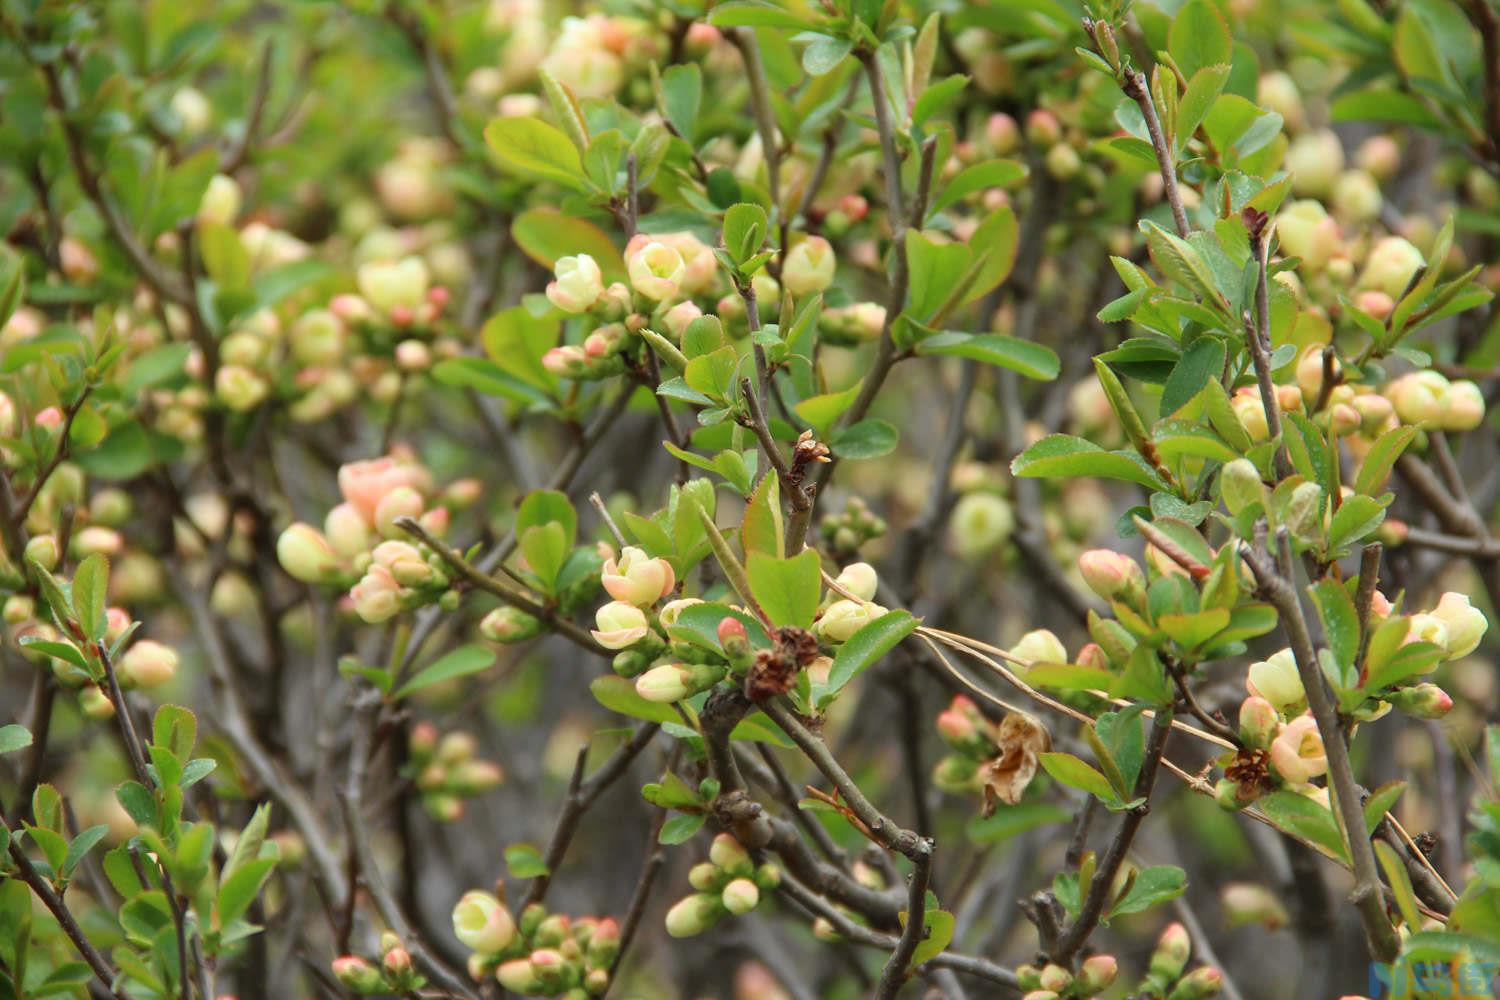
224,257
822,411
1202,90
870,438
1151,886
938,926
1380,802
460,662
14,737
240,888
680,829
1300,815
762,529
755,14
864,649
545,507
80,846
1076,773
1381,458
744,231
935,272
90,595
545,547
1063,456
1199,38
544,234
1202,362
525,861
979,177
487,377
1340,621
824,54
681,97
155,367
787,590
1025,357
530,148
1008,821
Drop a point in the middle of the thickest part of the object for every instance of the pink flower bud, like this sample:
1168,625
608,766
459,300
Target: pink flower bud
1423,701
1111,574
1042,128
306,555
680,317
731,631
376,596
508,625
1056,978
693,915
1259,722
1039,646
740,896
1200,984
95,704
403,501
1251,903
147,664
809,267
1390,266
1097,973
1419,398
239,388
355,974
1171,954
397,962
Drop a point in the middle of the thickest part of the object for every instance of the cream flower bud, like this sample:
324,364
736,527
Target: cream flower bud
656,270
1465,624
508,624
1463,407
1259,722
740,896
680,317
1390,266
483,923
1297,753
578,285
377,596
694,915
517,976
1276,680
239,388
673,610
729,854
1356,197
1250,903
1251,413
620,625
1315,161
347,530
1304,229
844,618
221,201
979,523
636,578
809,267
1419,398
860,580
317,338
1040,646
147,664
665,684
393,286
305,554
403,501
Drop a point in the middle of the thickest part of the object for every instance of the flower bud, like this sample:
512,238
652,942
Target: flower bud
843,618
636,578
1304,230
376,596
1277,92
518,977
656,270
1240,485
1097,973
732,635
508,625
1171,954
705,876
397,962
403,501
1039,646
392,287
1463,407
961,725
620,625
147,664
740,896
1200,984
956,774
1297,752
1042,128
1422,701
1259,722
693,915
1062,161
578,286
1054,977
1250,903
1277,680
1111,575
665,684
767,877
357,975
1419,398
221,201
1390,266
1309,371
95,704
1356,197
604,944
860,580
1465,624
809,267
729,854
979,523
680,317
1315,161
239,388
1251,413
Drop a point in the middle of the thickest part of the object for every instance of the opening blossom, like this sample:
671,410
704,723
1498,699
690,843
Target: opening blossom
578,285
656,270
1297,754
636,578
620,625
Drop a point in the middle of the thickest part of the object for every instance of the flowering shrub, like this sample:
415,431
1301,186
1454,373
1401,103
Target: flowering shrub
749,498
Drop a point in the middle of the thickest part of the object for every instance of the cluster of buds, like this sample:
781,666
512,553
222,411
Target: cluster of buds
849,529
843,616
446,770
1053,982
541,954
981,522
729,882
851,325
597,54
396,973
362,540
971,739
1166,978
